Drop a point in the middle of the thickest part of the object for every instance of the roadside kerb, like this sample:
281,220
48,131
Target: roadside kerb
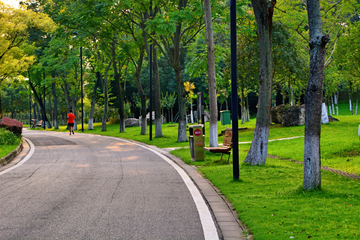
8,158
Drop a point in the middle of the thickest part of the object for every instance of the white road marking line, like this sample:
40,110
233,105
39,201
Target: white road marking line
27,157
207,222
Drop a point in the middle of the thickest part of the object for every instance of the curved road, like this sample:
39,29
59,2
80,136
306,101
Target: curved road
93,187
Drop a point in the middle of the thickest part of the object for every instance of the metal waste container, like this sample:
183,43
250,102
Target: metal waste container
225,117
196,139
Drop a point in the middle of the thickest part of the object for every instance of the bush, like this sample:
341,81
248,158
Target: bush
7,137
11,125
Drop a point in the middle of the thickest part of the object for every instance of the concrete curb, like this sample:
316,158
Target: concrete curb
8,158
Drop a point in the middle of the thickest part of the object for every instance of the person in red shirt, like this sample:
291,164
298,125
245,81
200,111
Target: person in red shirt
71,120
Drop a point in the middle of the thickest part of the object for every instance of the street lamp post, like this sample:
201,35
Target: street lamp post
234,97
150,90
81,80
82,95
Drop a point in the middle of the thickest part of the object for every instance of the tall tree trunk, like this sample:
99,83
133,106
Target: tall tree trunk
36,111
181,103
337,103
51,110
313,98
176,55
40,102
213,131
121,97
157,95
350,104
122,108
263,10
106,98
56,120
92,109
243,107
141,90
328,103
73,99
357,103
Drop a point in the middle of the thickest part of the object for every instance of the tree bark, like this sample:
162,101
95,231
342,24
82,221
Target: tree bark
56,120
92,109
314,98
39,100
117,78
106,99
213,131
263,10
141,91
181,102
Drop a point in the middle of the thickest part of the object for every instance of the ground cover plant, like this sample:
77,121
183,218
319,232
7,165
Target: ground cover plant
8,142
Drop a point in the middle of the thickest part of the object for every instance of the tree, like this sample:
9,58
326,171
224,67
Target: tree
213,133
176,28
263,10
314,97
16,52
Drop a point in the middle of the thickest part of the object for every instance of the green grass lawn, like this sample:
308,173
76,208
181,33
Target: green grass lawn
269,199
6,149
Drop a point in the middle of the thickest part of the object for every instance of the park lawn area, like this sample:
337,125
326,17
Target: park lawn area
6,149
270,201
340,145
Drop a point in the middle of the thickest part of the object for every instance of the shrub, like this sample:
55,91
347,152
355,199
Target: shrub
7,137
11,125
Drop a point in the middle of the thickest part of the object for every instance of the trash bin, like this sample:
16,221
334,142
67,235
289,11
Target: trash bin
225,117
196,140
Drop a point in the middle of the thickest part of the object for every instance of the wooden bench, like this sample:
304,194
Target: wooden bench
39,123
225,148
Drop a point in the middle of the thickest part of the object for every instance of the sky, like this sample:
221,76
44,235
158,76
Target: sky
14,3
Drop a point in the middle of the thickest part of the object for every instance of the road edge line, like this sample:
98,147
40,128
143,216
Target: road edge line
206,218
27,157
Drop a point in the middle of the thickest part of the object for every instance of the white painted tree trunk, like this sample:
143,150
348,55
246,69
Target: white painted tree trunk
314,97
324,114
350,103
213,134
357,101
337,105
91,124
263,14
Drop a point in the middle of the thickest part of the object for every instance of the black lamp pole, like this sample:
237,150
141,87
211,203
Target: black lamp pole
234,98
82,104
150,90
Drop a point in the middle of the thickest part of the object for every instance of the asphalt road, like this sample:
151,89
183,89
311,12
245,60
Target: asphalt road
92,187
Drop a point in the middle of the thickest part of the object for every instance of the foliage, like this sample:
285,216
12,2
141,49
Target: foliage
14,97
16,53
190,95
7,137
